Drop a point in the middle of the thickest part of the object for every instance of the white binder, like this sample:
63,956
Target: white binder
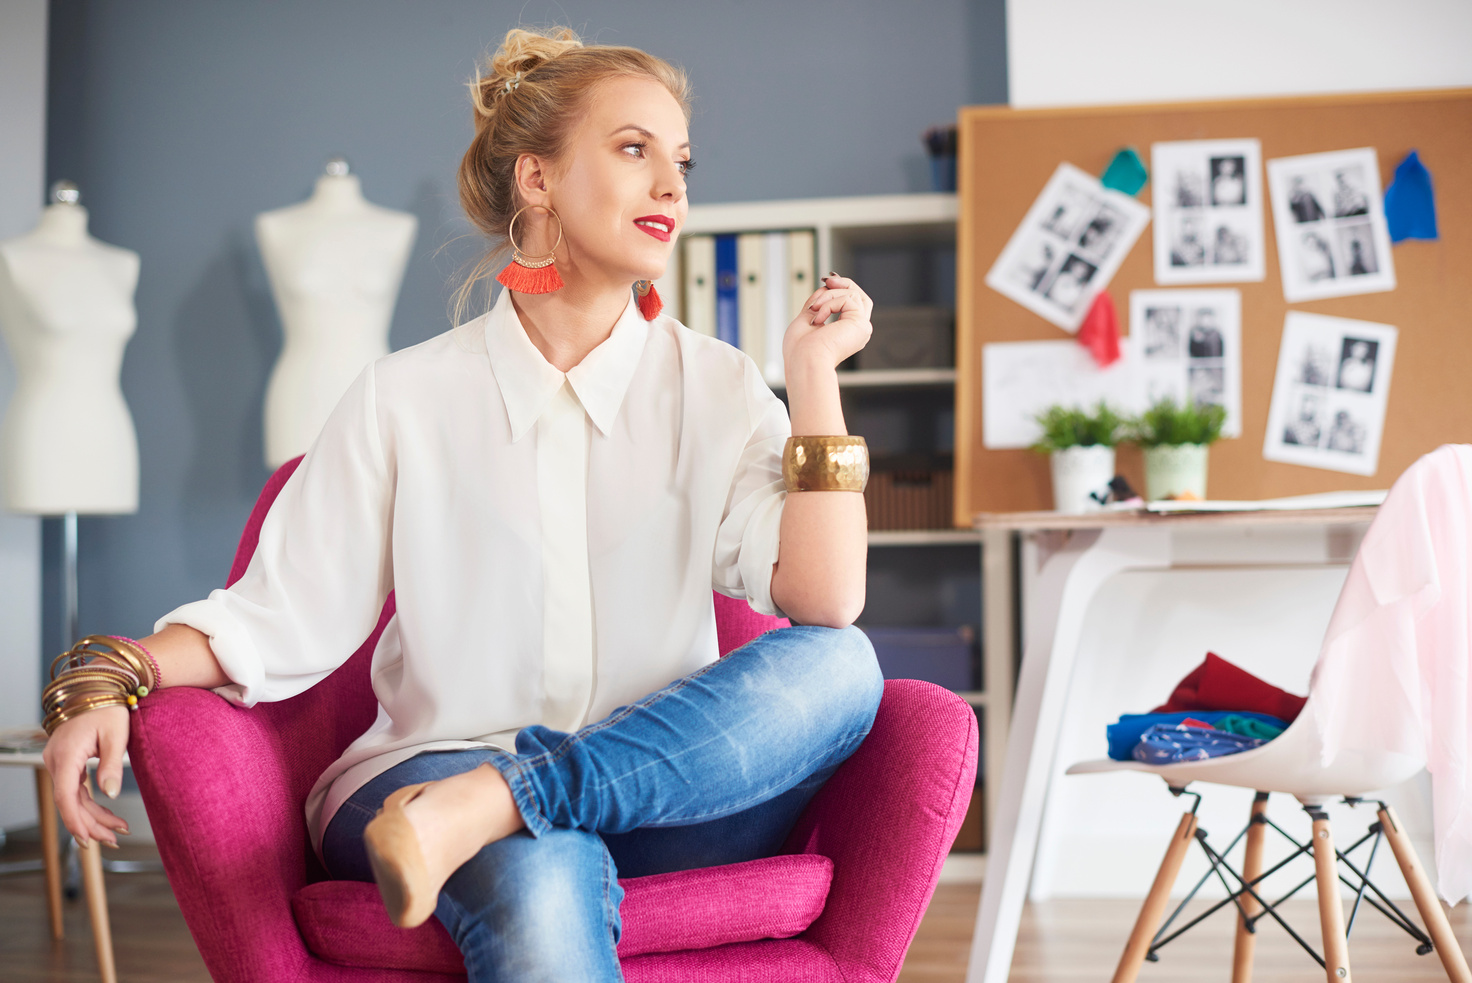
751,294
700,284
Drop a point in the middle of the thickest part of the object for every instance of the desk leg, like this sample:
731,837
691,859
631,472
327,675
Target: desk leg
997,654
1054,626
50,850
91,857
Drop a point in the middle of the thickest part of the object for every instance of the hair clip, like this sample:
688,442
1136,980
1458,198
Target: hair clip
514,82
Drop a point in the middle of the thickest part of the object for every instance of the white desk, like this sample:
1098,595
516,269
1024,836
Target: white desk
1073,557
51,862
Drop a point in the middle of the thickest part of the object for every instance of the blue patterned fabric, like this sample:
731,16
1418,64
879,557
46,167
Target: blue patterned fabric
1163,744
1124,735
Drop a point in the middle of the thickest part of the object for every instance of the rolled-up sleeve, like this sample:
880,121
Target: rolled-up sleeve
750,530
320,574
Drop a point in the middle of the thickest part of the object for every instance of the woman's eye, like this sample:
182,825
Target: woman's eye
638,149
686,166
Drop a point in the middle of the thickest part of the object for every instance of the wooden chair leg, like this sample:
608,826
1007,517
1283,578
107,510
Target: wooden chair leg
1246,944
50,852
91,858
1331,908
1427,903
1153,910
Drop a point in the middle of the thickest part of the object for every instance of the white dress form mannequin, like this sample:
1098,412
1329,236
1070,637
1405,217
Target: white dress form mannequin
67,444
335,262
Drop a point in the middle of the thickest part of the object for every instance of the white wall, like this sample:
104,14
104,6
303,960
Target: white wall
1074,52
1150,628
22,174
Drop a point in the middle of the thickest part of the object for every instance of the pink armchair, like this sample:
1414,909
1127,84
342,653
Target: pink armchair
224,789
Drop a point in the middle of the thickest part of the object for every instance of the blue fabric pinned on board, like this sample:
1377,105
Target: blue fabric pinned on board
1126,172
1410,204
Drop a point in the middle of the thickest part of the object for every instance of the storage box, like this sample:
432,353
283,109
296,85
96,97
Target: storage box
910,338
944,656
909,499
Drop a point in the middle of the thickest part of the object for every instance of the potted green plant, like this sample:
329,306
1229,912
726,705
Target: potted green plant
1175,438
1080,445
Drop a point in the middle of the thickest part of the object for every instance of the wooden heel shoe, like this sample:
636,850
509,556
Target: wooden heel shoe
408,891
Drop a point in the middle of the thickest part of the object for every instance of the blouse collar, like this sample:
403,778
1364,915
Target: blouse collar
528,381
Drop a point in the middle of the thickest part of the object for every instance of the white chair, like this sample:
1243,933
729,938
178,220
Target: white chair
1290,764
1415,550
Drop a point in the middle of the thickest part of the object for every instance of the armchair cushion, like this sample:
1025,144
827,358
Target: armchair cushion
344,922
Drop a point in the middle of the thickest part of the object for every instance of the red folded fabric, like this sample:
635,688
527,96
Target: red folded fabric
1100,331
1217,684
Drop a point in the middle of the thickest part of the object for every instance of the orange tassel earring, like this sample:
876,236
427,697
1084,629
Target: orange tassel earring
531,276
649,303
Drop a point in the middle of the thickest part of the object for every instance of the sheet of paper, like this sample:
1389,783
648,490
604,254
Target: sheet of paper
1021,379
1330,220
1323,500
1208,211
1068,247
1329,395
1187,345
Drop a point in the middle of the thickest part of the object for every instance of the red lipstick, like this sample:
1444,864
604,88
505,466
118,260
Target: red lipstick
659,226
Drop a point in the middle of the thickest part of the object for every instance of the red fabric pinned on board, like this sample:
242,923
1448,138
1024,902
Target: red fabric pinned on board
1100,331
1217,684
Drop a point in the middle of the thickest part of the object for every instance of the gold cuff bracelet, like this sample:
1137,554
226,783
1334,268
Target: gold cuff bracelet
825,464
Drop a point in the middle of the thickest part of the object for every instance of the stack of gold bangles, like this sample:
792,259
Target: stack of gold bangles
825,464
99,671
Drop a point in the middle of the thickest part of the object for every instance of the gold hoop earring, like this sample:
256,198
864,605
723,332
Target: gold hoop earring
531,276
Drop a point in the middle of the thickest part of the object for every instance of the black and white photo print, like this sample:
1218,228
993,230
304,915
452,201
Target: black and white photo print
1208,213
1330,220
1330,393
1068,247
1187,345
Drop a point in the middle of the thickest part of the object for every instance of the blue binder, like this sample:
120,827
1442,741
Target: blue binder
727,323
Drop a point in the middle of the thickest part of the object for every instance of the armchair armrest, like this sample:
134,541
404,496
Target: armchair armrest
887,819
230,832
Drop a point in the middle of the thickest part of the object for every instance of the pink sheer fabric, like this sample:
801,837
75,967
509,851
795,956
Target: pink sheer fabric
1394,674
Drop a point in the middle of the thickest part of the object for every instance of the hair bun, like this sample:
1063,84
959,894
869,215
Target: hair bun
520,53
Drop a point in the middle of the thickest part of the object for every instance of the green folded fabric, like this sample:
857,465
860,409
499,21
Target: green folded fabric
1234,723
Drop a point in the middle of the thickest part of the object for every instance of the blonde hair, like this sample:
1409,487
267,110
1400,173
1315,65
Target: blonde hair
527,100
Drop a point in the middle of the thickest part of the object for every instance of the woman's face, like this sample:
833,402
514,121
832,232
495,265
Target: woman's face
620,188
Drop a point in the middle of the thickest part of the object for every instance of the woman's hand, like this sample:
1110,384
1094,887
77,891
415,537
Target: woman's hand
101,733
809,341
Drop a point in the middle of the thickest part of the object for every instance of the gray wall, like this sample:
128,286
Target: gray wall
181,120
22,166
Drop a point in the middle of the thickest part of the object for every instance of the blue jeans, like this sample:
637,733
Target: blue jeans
713,769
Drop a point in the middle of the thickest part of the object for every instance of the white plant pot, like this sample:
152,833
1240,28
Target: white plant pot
1078,471
1174,469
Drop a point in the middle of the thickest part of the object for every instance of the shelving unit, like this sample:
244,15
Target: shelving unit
858,236
840,226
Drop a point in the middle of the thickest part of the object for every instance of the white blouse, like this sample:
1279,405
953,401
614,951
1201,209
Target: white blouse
553,538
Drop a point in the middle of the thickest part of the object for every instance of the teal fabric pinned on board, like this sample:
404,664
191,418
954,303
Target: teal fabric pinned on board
1410,205
1126,172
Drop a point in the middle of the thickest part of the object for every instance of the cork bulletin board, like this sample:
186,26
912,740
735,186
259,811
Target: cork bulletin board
1006,156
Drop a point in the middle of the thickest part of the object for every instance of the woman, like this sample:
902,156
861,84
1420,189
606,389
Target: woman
552,490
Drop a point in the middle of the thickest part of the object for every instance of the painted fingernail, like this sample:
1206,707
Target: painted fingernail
80,842
111,787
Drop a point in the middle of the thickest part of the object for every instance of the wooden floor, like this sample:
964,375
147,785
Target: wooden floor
1060,942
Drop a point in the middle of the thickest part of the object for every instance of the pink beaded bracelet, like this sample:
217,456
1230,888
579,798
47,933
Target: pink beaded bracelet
158,674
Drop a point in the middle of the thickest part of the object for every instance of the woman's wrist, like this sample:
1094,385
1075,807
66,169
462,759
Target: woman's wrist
813,399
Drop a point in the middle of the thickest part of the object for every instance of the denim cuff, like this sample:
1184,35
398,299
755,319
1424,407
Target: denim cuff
523,792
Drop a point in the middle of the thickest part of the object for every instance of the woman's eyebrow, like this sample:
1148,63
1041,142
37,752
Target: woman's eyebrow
645,134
